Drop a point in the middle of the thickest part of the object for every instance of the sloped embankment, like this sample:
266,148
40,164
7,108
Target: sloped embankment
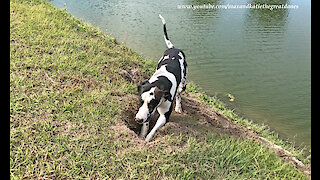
201,116
72,99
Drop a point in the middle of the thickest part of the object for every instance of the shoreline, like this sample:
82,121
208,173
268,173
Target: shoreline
260,107
73,95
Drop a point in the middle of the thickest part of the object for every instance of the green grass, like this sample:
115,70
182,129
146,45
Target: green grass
66,102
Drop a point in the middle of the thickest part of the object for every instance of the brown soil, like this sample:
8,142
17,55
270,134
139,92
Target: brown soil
197,117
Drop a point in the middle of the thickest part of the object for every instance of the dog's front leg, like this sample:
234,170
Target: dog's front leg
144,130
164,111
160,122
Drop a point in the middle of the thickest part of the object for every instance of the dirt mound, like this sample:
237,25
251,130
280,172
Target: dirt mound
198,116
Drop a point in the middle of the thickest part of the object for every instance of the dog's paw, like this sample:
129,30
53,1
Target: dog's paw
148,139
178,110
141,136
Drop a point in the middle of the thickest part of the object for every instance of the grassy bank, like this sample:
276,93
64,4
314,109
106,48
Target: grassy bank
70,85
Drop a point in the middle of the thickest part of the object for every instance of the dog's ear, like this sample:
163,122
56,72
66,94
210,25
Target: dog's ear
139,89
142,86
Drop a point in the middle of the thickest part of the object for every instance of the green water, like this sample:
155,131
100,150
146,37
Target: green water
262,57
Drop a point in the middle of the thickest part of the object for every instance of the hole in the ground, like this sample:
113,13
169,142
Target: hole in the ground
134,126
129,114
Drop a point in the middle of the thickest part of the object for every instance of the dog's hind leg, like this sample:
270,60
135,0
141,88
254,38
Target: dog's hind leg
178,107
181,88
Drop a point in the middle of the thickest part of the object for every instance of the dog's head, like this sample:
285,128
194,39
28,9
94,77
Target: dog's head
150,98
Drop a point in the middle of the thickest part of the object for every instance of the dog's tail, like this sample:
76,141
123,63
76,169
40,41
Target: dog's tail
166,39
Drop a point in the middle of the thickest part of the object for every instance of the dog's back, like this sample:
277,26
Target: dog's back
174,60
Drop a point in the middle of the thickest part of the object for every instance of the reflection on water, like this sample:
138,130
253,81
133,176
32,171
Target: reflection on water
259,56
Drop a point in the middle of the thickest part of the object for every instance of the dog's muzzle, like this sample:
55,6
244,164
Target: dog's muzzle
140,121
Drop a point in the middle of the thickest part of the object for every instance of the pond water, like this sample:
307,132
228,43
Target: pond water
262,57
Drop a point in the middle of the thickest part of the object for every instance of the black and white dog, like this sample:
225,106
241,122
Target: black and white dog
158,92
